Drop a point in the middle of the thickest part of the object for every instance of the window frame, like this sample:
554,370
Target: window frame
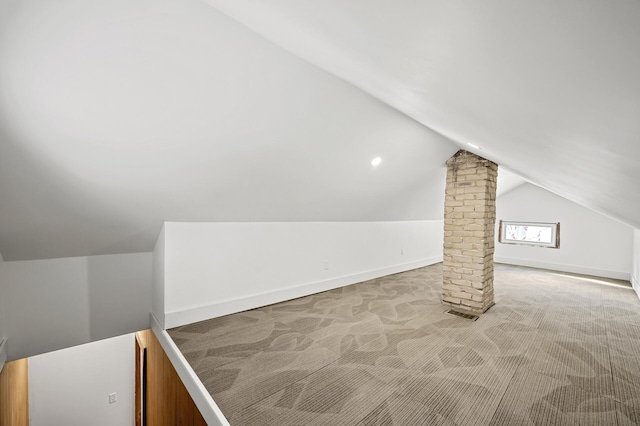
555,234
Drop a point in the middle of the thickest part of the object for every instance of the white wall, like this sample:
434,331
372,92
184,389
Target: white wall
199,119
3,345
590,243
157,303
635,273
56,303
72,386
213,269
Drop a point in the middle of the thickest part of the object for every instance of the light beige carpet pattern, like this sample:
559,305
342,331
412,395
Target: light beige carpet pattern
555,349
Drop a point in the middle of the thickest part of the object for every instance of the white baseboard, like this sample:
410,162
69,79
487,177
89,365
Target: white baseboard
619,275
3,353
201,397
226,307
636,285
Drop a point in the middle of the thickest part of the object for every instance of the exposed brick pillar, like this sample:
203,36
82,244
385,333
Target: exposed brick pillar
469,224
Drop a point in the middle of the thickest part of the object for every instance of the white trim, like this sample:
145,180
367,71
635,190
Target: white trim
226,307
636,285
619,275
3,353
201,397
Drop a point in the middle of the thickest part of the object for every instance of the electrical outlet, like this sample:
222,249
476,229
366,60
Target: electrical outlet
401,252
326,265
113,398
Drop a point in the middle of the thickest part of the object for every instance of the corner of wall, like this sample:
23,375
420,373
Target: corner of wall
3,352
589,253
635,262
3,338
158,281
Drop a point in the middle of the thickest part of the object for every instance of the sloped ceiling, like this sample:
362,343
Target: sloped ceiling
548,89
508,181
118,115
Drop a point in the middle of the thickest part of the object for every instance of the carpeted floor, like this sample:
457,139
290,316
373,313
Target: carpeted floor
555,349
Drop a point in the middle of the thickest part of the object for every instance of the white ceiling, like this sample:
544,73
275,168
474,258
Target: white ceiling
118,115
508,181
549,89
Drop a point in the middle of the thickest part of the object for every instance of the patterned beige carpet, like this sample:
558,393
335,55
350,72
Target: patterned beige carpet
556,349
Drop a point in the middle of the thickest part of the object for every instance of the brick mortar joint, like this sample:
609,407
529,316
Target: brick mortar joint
468,263
463,157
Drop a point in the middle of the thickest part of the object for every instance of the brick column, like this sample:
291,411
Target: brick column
469,224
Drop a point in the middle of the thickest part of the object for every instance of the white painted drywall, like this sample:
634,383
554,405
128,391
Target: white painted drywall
3,346
635,272
56,303
506,75
213,269
157,304
3,353
198,119
72,386
119,294
590,243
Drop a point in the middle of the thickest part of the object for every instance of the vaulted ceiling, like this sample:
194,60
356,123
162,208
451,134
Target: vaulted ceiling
118,115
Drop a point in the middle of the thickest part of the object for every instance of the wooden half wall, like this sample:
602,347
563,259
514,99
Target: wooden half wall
14,393
167,400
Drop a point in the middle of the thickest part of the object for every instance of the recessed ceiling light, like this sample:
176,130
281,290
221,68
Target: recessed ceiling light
376,161
473,146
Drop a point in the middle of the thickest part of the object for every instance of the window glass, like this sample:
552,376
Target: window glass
539,234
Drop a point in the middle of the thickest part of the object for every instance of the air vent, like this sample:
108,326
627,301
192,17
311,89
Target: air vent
462,315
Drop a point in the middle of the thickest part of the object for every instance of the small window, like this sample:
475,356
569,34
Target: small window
530,233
